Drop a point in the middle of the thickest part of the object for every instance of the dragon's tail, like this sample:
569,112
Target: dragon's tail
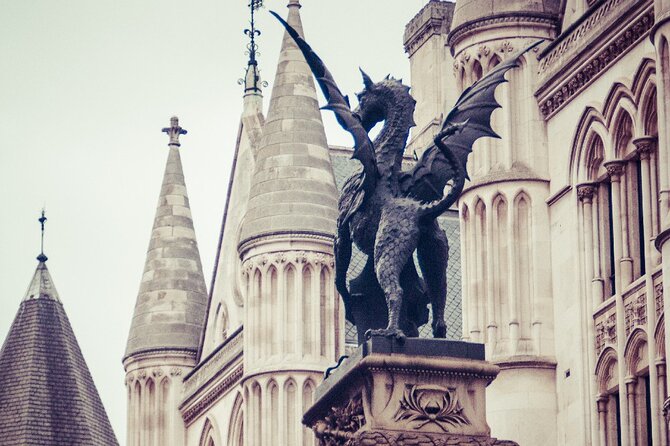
435,208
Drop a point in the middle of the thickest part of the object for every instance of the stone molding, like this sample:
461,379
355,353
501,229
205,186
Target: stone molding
245,245
577,33
433,19
514,18
557,91
190,414
219,360
280,259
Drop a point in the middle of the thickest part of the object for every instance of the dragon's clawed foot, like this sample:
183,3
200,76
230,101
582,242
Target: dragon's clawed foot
440,330
392,333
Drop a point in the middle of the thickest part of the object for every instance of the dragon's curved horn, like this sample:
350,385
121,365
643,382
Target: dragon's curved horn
367,81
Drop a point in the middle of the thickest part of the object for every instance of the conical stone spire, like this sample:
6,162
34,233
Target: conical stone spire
293,190
171,303
47,394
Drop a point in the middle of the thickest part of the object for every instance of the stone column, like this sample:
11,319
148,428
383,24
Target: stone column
602,419
645,147
585,194
631,384
615,170
659,35
661,392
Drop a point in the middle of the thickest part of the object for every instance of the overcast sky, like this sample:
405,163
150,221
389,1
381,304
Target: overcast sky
86,86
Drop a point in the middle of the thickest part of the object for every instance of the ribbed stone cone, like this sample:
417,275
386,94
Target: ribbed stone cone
293,188
171,303
47,394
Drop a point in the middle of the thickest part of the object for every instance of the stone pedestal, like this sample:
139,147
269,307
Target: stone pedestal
423,392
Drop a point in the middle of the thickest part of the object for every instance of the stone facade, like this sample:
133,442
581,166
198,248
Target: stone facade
562,231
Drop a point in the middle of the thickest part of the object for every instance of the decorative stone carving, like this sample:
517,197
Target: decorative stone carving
636,313
605,333
658,296
175,371
422,393
572,85
615,169
157,373
646,145
431,404
585,192
506,47
142,374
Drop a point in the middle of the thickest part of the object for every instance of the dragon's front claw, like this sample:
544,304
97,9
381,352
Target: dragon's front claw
392,333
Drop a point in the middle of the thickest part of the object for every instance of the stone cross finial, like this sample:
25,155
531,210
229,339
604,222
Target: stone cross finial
42,220
174,131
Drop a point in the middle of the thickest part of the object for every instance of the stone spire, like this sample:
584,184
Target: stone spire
47,394
293,189
170,308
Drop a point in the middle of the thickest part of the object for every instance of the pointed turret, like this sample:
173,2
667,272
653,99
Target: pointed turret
170,308
169,313
293,189
292,316
47,394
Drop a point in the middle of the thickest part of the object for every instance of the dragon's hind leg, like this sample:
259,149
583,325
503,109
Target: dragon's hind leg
396,240
433,254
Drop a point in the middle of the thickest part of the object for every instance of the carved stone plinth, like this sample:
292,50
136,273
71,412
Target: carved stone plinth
423,392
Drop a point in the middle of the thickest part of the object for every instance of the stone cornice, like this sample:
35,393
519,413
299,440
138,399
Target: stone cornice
216,363
433,19
515,18
191,413
252,242
590,59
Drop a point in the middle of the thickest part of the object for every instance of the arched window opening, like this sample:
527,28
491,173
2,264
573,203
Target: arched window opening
476,71
609,407
272,319
291,413
307,400
501,264
307,312
273,391
638,388
289,310
481,263
324,323
523,258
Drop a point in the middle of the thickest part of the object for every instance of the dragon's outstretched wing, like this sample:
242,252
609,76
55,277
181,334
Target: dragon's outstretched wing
427,180
339,104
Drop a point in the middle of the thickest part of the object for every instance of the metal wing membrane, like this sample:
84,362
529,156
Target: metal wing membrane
427,180
339,104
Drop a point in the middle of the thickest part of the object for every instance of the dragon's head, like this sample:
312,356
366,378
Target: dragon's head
379,99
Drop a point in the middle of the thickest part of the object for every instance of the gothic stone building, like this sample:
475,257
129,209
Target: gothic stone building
563,230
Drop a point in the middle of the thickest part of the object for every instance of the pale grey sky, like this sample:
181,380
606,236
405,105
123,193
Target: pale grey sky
85,88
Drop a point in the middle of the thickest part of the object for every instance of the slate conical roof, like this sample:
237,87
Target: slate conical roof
293,188
171,303
47,395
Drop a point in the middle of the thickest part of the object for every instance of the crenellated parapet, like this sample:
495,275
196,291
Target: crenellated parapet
433,19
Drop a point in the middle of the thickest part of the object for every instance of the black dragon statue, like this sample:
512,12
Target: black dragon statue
389,213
